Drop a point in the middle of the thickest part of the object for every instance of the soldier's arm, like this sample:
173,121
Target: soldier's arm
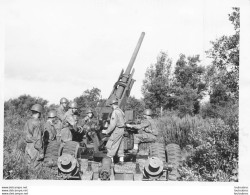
113,122
28,129
71,121
143,125
53,133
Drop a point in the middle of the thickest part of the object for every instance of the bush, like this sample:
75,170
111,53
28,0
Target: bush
14,162
215,143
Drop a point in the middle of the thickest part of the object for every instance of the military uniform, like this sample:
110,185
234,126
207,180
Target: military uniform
49,132
69,124
90,131
58,127
76,135
60,112
115,143
148,131
33,138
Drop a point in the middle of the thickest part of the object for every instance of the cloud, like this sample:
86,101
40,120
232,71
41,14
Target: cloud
87,43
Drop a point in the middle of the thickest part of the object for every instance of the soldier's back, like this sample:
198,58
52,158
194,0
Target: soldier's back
33,126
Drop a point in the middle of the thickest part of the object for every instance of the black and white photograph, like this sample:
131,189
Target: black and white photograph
108,90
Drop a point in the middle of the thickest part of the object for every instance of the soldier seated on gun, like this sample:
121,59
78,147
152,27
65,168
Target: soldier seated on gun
115,143
70,123
62,109
78,133
148,131
90,126
49,132
33,137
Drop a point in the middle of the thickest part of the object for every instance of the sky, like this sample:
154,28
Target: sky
57,49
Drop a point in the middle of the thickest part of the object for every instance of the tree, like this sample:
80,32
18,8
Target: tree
136,105
89,99
224,53
21,105
156,85
184,100
189,85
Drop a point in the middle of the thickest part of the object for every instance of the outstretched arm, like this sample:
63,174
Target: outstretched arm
143,125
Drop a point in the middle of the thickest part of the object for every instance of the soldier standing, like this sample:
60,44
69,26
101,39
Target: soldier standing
148,130
69,123
33,130
62,109
115,143
49,133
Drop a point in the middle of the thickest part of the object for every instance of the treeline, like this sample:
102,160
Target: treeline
179,87
182,87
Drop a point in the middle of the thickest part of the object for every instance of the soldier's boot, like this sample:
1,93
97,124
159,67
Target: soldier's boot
135,150
121,160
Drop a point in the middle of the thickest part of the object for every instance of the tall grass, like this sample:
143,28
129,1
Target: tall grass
215,146
14,162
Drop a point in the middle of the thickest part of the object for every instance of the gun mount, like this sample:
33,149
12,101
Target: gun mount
121,89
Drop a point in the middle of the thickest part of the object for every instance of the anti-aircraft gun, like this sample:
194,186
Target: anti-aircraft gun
158,163
121,91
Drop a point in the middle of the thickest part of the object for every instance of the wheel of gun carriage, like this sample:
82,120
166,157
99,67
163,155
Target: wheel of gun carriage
70,147
52,153
157,150
173,158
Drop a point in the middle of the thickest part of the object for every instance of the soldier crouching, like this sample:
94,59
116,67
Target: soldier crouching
115,143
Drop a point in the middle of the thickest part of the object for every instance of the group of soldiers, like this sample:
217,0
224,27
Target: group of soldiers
63,125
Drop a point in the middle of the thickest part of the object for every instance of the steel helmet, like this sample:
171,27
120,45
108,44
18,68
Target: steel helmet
147,112
37,108
63,100
52,114
73,105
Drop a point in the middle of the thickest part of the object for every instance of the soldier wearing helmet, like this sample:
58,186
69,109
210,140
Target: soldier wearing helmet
148,130
33,130
90,126
70,123
62,109
115,143
49,129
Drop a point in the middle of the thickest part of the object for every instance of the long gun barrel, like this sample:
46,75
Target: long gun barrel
132,60
121,89
125,82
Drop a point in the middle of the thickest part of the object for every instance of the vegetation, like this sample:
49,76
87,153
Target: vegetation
207,133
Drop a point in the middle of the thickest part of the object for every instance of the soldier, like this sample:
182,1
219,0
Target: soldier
148,130
49,133
115,143
90,126
33,130
69,123
78,134
62,109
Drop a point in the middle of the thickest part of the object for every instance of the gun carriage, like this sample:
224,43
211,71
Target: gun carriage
155,161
